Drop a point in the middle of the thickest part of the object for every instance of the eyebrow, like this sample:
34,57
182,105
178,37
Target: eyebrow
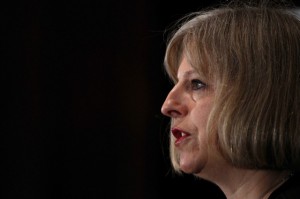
188,73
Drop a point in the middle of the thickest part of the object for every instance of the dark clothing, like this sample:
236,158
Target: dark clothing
289,190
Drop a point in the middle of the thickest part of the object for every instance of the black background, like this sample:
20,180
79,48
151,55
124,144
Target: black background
82,87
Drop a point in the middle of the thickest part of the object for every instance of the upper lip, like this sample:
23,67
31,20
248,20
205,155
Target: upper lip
178,133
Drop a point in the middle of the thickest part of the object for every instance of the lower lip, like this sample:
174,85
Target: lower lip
178,141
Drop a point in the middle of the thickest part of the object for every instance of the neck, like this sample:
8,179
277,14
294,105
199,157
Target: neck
249,184
281,178
255,184
237,183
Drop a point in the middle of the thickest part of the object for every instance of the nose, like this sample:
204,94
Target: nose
174,105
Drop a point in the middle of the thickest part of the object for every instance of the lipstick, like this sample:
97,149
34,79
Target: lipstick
179,134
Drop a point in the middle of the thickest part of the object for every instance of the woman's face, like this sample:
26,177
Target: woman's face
189,104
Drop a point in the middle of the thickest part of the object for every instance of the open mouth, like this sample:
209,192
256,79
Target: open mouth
179,135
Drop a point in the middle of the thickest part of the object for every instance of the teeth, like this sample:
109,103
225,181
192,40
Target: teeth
179,134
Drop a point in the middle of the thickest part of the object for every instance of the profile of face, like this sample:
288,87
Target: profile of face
189,104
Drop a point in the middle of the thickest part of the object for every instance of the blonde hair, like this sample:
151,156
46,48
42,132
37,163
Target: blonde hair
252,54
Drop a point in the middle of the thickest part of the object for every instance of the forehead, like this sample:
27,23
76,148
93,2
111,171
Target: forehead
185,70
187,49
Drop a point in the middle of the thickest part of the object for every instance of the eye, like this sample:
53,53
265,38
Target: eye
197,84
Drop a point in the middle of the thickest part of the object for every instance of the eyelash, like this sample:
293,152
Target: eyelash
197,84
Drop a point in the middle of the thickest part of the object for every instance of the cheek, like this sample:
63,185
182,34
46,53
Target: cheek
199,118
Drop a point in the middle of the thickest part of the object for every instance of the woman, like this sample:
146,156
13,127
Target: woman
235,104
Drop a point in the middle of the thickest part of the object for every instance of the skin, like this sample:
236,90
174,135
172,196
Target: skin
189,104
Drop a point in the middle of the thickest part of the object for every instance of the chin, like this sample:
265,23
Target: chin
190,163
190,168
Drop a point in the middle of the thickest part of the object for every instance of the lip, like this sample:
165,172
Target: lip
180,135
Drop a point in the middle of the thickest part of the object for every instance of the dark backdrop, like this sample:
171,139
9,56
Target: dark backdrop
82,86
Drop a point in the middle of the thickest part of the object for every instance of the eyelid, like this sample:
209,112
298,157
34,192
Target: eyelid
200,85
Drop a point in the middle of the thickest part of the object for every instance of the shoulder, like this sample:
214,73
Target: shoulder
289,190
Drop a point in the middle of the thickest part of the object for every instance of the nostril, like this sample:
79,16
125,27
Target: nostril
173,109
173,106
174,113
166,108
169,111
164,111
